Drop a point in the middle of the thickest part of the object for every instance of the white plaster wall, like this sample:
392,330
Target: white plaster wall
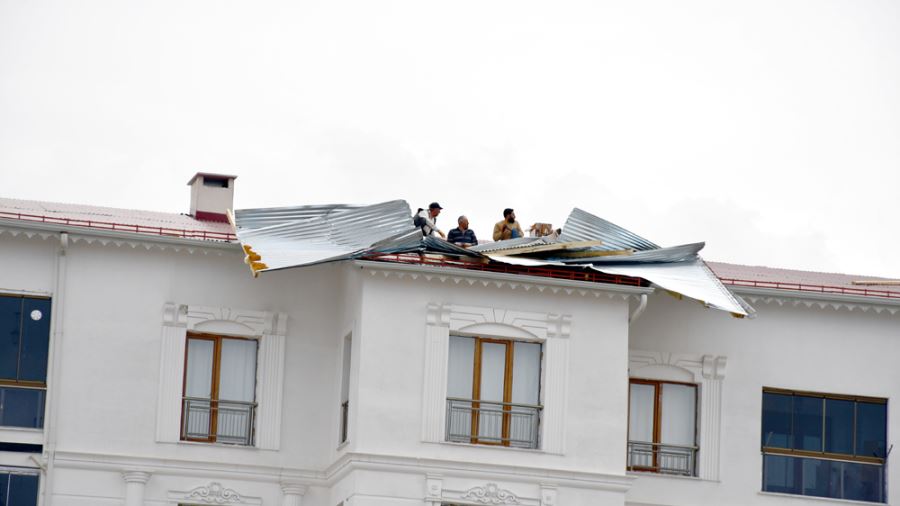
391,374
813,349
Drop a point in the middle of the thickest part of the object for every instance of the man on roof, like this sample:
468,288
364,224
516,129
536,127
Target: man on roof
508,227
462,235
427,219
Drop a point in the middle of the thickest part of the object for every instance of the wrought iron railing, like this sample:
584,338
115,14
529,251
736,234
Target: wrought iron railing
218,421
345,419
497,423
662,458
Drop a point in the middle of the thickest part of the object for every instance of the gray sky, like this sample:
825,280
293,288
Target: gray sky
768,129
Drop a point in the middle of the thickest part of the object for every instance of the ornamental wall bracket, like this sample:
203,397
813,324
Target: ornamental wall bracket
491,493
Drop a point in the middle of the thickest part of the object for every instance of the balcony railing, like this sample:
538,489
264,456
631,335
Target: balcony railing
662,458
229,422
496,423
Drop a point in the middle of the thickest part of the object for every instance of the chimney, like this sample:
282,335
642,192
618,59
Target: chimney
211,196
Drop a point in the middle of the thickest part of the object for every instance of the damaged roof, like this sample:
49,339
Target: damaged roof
301,236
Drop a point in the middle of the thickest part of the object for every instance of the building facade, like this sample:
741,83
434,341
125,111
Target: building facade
150,368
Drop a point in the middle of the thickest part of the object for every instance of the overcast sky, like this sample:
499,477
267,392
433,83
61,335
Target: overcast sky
768,129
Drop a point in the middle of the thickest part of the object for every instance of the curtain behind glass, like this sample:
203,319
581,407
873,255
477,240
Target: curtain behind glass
198,381
640,419
679,410
237,371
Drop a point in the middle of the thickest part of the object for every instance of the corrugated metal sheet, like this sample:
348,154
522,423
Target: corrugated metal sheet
683,253
316,234
584,226
521,242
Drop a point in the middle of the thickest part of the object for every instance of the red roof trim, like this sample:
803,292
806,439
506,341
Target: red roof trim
205,235
802,287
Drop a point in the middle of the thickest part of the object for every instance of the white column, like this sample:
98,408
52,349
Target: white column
437,349
269,391
292,493
135,481
713,373
556,365
171,373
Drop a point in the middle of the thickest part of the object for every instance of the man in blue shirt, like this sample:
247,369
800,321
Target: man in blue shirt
462,235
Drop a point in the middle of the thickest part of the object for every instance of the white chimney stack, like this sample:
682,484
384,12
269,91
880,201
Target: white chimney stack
211,196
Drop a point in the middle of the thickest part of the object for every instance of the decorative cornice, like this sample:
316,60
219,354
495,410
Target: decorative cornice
257,323
700,366
115,238
491,493
450,275
836,301
174,315
293,488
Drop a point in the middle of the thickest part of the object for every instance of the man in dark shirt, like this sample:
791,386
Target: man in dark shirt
462,235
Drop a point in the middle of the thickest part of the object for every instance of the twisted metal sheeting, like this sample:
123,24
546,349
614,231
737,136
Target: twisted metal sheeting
584,226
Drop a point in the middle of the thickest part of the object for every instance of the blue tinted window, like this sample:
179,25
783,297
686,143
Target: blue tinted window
862,482
22,407
35,340
816,477
839,426
871,427
10,320
808,423
4,488
23,490
776,420
781,474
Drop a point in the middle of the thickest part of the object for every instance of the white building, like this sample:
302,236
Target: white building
141,364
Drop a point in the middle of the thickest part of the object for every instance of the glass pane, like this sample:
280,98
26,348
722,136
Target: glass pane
862,482
23,490
776,420
640,412
237,371
345,370
871,428
781,474
198,381
816,477
493,371
35,340
839,426
679,408
526,373
4,488
462,361
808,423
10,318
22,407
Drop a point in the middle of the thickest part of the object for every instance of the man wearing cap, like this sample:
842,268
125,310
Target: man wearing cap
430,217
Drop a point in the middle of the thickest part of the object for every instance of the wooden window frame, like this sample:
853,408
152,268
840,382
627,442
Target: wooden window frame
775,450
509,344
214,386
657,415
7,382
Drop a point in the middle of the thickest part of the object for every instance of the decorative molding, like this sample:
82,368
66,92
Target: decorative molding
136,476
30,234
548,495
214,493
708,371
459,318
434,393
450,275
434,488
555,394
833,301
491,493
269,327
257,322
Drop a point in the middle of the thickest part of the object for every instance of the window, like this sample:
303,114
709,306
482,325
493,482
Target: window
345,388
824,445
18,487
219,389
662,427
493,392
24,345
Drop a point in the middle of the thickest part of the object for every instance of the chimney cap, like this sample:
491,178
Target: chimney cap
210,175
